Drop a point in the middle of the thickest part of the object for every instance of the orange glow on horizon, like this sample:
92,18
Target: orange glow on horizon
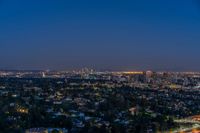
133,72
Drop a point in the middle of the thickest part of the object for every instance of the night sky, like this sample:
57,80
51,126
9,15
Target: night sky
101,34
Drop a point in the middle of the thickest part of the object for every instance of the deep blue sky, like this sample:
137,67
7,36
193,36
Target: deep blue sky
102,34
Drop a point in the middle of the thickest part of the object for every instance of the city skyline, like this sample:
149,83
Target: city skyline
104,35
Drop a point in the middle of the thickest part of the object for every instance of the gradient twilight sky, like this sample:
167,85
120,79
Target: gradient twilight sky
101,34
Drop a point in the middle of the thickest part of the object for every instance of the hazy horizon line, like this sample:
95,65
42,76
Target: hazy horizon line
98,70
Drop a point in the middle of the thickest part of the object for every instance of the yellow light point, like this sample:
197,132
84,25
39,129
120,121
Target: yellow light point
22,110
